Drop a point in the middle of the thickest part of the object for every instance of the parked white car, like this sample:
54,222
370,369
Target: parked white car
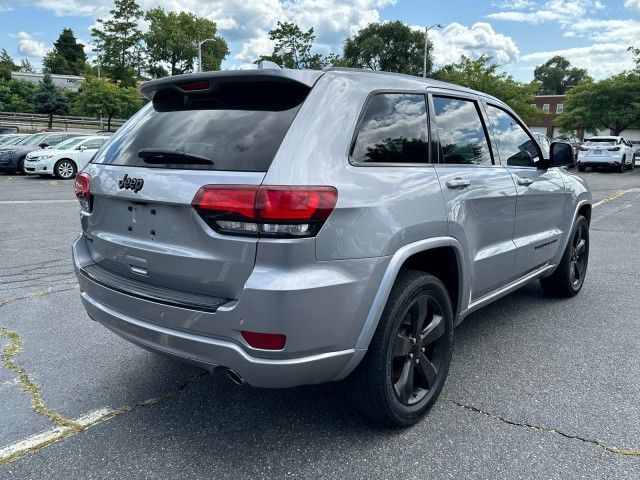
65,159
611,152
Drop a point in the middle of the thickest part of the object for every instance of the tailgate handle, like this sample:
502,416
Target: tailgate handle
138,270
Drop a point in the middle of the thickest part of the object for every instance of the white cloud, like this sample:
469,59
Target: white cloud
552,10
633,4
456,40
514,4
29,46
601,60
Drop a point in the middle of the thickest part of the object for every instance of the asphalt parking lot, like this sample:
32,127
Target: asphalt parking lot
538,387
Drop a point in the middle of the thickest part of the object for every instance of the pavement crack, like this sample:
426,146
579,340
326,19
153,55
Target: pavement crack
609,448
39,441
37,294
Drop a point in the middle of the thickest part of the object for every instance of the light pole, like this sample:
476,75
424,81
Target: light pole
426,47
200,52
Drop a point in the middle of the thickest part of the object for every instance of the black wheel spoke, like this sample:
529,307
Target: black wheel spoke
426,371
418,311
404,385
433,331
401,345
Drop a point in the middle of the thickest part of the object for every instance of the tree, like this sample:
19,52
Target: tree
612,103
67,56
557,76
117,40
48,99
25,66
99,96
484,75
636,53
389,46
7,65
293,47
16,96
172,39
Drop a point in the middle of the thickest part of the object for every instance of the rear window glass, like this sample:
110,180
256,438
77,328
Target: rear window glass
239,127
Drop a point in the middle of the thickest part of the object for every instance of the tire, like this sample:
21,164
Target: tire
567,279
65,169
623,166
390,385
20,169
581,168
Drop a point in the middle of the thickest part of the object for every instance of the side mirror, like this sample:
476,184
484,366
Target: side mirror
561,154
43,145
82,148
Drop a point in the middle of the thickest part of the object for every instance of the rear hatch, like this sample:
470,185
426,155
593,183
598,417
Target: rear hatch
595,148
209,129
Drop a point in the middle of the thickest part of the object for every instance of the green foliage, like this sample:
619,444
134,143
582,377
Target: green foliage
48,99
557,76
67,56
636,53
99,96
293,47
117,40
6,65
25,66
484,75
16,96
172,39
612,103
389,46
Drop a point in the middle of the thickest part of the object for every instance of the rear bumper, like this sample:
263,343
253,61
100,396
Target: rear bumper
322,324
600,161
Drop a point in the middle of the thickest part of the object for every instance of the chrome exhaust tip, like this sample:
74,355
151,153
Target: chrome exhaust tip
235,378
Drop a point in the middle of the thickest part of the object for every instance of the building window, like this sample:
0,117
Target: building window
545,108
559,108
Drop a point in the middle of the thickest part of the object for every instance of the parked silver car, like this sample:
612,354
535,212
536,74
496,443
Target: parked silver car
299,227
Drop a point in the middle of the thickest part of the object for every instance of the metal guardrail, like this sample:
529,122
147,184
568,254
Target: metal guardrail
36,120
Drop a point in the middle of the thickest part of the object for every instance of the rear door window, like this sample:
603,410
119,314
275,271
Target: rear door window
393,129
238,127
461,131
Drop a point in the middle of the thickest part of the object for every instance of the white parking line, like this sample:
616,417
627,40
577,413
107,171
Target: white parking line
54,434
21,202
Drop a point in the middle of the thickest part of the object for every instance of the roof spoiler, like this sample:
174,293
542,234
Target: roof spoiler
270,75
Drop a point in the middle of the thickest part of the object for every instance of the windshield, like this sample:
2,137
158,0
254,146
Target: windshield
32,139
11,140
600,142
70,143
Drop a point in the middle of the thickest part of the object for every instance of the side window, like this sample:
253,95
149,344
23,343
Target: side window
393,130
54,139
515,146
93,144
462,136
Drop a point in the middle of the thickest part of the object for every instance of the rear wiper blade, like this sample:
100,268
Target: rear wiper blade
164,156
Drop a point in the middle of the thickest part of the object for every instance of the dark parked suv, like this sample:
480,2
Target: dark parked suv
297,227
12,157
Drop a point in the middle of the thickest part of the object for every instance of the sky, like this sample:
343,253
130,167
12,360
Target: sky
519,34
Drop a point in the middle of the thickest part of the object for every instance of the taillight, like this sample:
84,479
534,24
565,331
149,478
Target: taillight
614,149
582,149
82,188
278,211
265,341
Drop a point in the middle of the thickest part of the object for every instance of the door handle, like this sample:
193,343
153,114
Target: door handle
458,183
525,182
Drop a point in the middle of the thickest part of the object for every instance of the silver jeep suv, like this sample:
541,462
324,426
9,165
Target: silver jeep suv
299,227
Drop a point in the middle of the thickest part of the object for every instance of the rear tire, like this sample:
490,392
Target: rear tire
408,358
581,168
567,279
623,167
20,169
65,169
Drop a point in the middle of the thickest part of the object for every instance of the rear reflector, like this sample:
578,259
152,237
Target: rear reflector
280,211
265,341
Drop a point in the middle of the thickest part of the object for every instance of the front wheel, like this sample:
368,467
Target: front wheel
568,278
408,358
65,169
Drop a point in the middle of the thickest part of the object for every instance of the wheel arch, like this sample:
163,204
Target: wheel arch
417,255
